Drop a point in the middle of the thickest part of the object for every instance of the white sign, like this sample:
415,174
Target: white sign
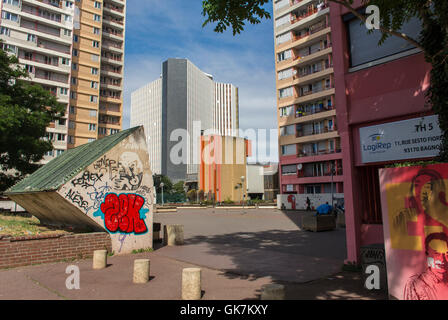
401,140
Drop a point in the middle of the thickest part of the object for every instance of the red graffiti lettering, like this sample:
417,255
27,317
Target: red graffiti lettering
122,213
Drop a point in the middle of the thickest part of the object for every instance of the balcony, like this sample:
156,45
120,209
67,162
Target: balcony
303,153
40,14
303,133
312,110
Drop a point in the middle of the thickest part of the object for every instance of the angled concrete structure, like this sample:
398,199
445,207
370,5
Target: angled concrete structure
105,185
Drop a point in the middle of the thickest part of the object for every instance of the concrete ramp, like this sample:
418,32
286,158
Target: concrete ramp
105,185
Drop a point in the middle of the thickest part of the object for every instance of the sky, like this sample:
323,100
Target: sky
160,29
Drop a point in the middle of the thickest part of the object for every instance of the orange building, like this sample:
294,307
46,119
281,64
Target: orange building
222,174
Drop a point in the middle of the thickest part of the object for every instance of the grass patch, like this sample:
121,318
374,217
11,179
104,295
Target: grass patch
24,226
142,250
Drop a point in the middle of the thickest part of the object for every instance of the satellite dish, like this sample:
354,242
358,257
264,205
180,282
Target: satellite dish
299,166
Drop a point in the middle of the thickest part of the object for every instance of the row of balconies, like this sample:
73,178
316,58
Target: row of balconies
311,153
303,133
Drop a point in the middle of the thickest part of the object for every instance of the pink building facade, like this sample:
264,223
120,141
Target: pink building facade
372,89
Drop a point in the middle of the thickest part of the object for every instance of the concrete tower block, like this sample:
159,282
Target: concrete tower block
99,259
273,292
141,270
191,284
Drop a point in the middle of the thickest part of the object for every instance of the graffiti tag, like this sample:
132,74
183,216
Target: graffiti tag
76,198
87,180
122,213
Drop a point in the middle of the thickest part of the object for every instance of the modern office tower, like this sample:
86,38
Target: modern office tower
182,96
226,117
310,155
40,34
75,49
96,97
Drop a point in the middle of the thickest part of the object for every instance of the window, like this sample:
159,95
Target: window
96,30
74,66
95,57
114,131
62,122
63,91
91,140
65,61
285,74
68,18
285,55
73,95
95,44
364,47
71,124
287,130
75,52
289,169
94,85
286,92
97,5
71,140
92,113
288,149
59,152
5,31
96,18
102,131
283,38
9,16
281,4
75,38
11,2
286,111
282,21
93,99
94,71
69,4
67,32
73,80
92,127
60,137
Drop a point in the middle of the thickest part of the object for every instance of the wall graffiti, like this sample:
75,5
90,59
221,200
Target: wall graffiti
87,179
123,213
106,165
75,197
415,215
130,172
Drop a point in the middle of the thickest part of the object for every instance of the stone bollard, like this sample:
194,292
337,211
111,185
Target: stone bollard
99,259
191,284
173,235
141,270
273,292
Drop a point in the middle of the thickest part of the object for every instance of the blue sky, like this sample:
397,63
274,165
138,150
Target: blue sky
160,29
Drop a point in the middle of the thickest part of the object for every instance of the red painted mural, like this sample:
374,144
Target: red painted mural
415,216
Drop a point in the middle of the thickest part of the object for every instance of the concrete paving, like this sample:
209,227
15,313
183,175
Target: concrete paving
238,251
259,243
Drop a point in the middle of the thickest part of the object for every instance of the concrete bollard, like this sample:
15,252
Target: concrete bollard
273,292
173,235
99,259
191,284
141,270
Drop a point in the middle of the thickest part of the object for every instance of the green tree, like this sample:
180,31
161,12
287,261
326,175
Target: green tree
433,39
167,184
179,188
26,110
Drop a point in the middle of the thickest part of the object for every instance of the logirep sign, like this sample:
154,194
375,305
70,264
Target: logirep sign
400,140
123,213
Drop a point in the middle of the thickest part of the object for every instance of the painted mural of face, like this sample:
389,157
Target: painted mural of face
438,258
130,172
